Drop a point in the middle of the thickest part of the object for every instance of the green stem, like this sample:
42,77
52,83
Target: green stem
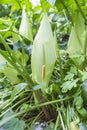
36,118
61,70
7,48
80,10
57,121
61,119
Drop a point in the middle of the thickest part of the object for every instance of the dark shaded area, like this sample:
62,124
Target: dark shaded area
4,10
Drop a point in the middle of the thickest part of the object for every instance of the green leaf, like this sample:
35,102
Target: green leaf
13,124
78,59
83,113
11,74
25,28
84,90
19,57
83,75
78,101
53,88
69,76
15,36
68,85
45,5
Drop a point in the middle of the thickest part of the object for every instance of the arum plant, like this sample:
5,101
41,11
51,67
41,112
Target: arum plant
43,59
44,53
77,45
25,28
77,40
14,65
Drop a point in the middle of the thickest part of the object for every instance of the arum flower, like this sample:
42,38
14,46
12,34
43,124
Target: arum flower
77,40
43,53
25,28
74,45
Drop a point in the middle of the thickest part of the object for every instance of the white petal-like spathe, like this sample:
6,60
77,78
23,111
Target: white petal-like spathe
43,53
25,28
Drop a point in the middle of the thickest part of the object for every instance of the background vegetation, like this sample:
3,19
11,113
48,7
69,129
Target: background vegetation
26,104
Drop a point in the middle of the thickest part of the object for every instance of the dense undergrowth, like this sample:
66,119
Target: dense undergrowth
43,65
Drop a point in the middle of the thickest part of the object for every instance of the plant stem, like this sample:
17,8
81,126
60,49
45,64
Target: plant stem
56,125
22,71
60,65
62,123
47,111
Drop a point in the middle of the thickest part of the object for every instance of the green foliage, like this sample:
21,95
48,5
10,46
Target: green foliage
68,85
62,74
